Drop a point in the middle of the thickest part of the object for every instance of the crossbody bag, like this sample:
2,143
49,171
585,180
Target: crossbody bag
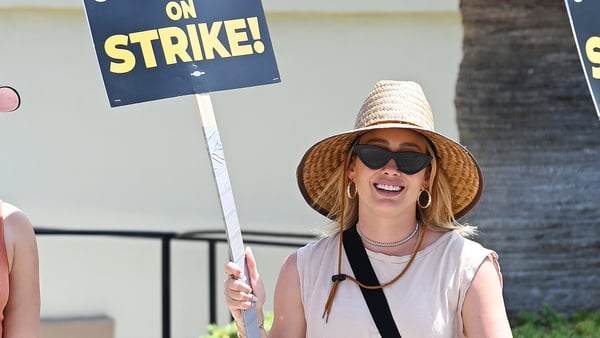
363,271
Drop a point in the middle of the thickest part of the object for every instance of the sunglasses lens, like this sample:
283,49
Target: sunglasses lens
411,163
373,157
407,162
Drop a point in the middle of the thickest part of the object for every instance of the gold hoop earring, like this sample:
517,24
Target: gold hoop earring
420,198
351,195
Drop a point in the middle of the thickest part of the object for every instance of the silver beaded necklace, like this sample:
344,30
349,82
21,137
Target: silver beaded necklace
388,244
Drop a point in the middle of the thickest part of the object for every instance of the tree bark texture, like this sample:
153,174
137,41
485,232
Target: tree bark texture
525,112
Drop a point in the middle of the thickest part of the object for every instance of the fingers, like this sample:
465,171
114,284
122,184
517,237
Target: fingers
238,294
258,289
233,270
252,269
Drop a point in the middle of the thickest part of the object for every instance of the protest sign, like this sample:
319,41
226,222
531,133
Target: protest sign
154,49
583,15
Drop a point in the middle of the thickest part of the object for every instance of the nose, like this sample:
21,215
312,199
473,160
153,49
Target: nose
391,168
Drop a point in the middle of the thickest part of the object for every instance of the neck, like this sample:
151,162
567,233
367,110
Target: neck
387,227
404,249
392,230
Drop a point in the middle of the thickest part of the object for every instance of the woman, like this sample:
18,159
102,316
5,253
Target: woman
19,266
394,189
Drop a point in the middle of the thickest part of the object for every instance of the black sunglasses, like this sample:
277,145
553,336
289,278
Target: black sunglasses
407,162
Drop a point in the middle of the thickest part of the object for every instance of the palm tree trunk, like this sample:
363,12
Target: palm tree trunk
524,110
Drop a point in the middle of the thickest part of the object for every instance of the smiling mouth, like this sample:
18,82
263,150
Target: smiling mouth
387,187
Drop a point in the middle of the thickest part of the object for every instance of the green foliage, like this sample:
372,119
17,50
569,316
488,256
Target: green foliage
215,331
548,323
230,330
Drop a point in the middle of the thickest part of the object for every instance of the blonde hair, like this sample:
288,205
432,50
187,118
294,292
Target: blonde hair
439,213
437,217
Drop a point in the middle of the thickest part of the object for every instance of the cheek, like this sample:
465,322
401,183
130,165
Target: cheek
422,179
426,176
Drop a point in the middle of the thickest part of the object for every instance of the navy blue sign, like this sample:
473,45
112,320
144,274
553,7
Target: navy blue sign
154,49
584,16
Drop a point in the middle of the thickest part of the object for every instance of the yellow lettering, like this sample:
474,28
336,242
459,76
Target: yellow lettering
145,39
234,36
126,58
188,9
596,72
592,51
201,41
174,43
210,40
194,42
175,11
259,46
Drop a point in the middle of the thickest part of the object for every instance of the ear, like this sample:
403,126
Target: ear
351,170
426,177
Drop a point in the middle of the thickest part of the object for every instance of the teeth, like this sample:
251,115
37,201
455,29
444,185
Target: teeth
387,187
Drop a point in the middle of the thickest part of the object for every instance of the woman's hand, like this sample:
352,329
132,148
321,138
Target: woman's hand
241,295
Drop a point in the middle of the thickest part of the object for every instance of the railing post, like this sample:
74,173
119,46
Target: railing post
212,288
166,286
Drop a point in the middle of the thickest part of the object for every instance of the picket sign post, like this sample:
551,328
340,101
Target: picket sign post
232,224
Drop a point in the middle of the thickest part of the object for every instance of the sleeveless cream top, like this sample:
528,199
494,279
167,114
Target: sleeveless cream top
425,302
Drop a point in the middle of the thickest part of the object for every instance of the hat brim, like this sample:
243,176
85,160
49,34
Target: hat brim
322,159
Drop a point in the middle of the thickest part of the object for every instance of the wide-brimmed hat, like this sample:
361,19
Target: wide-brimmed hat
391,104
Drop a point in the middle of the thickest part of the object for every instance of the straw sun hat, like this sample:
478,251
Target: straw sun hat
391,104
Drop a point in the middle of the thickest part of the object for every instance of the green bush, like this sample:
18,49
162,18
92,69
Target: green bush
546,323
230,330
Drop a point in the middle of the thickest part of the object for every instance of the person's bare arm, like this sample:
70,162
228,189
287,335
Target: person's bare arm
22,313
288,311
289,321
239,295
484,313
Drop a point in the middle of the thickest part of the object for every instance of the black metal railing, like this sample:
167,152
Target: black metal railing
211,237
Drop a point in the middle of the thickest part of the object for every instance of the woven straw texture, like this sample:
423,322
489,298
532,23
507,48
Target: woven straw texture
391,104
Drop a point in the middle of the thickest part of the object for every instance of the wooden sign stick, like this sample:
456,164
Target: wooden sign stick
232,224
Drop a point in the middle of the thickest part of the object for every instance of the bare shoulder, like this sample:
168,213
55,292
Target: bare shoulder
290,260
289,269
288,282
22,312
484,312
289,313
19,234
16,222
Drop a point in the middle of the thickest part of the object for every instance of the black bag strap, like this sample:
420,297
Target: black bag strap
363,271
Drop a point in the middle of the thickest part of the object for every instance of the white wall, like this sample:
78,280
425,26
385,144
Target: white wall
70,161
